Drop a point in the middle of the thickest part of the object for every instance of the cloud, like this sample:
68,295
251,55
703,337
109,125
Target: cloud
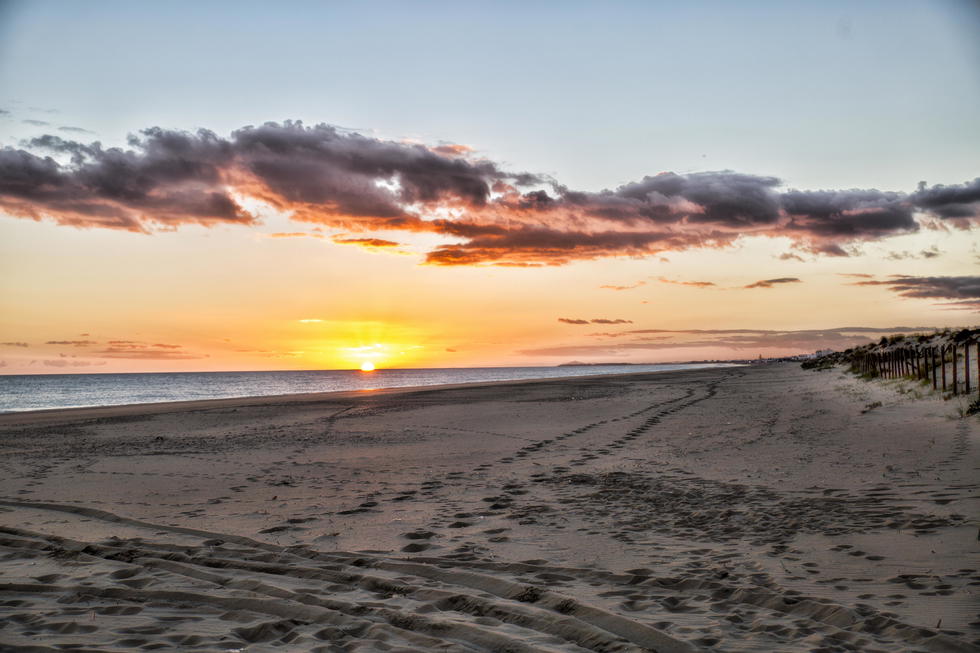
598,320
488,215
743,341
769,283
294,234
310,320
72,343
74,130
931,252
695,284
452,149
964,291
370,243
14,344
950,202
36,123
635,285
146,351
63,362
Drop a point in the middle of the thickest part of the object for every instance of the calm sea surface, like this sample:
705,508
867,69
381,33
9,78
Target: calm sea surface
38,391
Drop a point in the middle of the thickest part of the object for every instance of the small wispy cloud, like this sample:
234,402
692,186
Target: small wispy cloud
931,252
146,351
772,283
294,234
369,243
75,130
695,284
631,287
598,320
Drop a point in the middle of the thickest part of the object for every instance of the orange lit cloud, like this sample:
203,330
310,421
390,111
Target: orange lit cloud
635,285
369,243
487,214
295,234
598,320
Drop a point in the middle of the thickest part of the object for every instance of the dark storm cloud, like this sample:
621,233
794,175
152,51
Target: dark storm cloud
337,174
344,180
769,283
170,178
848,213
963,291
952,202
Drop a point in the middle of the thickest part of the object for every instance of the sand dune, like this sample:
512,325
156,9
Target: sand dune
761,508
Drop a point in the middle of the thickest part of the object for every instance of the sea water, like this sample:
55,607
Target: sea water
40,391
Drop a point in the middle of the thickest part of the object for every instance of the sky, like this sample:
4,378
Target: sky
245,186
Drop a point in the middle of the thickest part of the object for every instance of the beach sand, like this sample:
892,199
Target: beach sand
751,508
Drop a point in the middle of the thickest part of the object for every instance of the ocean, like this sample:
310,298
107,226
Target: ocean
42,391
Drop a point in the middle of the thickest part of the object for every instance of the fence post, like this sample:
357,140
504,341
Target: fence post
942,362
932,356
955,374
966,367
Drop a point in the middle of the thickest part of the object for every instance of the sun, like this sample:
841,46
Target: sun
367,366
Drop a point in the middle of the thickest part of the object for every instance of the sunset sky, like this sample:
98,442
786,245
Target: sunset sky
250,186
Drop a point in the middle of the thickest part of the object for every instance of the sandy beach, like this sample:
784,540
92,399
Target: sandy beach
749,508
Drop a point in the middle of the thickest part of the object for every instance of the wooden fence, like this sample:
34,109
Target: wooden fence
938,363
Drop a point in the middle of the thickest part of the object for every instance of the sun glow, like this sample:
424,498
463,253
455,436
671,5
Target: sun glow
367,366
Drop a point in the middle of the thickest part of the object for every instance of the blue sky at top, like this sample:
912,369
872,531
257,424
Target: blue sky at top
830,94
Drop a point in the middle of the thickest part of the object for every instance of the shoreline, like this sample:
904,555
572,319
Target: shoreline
155,407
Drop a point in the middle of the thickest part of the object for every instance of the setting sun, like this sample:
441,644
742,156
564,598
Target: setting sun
367,366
